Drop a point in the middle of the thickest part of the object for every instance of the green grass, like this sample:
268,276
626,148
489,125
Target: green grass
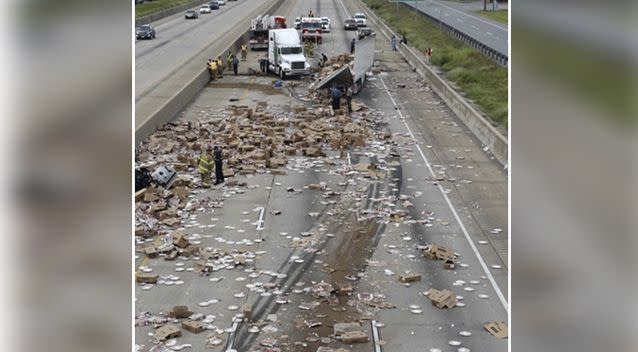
148,8
476,76
498,15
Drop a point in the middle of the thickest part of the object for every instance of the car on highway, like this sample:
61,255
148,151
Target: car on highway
364,32
298,22
325,24
360,18
204,9
213,5
221,2
191,15
145,31
350,24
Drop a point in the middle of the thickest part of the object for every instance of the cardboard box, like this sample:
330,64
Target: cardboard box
341,328
179,239
449,264
497,328
150,251
410,277
180,312
441,299
436,252
168,331
247,310
139,195
193,326
146,278
172,255
354,337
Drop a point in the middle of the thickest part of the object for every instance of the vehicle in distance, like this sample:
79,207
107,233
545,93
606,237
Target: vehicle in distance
311,29
360,18
204,9
213,5
325,24
298,23
191,15
221,2
285,53
350,25
364,32
145,31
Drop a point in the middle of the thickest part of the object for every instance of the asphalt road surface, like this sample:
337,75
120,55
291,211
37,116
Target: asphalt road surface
467,203
491,33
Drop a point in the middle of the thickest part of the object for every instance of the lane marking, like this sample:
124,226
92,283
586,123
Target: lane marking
344,8
260,222
375,336
449,203
468,15
231,338
349,161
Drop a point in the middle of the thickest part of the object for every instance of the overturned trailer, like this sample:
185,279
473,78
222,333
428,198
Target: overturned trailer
352,74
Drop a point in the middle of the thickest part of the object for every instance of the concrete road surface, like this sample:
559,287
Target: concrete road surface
491,33
460,209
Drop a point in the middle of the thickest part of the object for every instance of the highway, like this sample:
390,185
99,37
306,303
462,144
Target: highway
490,33
429,142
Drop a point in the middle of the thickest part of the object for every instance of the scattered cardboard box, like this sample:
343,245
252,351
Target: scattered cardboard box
180,312
193,326
146,278
168,331
354,337
410,277
497,328
441,298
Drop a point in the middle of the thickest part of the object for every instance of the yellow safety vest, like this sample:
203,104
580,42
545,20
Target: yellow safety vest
212,65
205,163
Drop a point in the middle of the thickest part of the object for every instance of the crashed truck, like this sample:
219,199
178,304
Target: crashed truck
258,32
352,74
285,53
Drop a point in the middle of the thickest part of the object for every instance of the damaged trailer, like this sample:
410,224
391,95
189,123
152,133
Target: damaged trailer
353,73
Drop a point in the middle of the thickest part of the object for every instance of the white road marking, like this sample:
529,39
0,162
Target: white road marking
260,222
449,203
375,336
468,15
344,8
231,338
489,33
349,161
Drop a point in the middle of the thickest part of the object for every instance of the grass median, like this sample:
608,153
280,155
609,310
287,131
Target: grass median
498,15
477,77
149,7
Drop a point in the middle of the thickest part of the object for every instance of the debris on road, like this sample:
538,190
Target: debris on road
497,328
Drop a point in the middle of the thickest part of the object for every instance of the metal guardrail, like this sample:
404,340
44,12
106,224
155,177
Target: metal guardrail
492,54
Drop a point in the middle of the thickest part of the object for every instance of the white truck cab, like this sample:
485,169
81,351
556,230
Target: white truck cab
285,53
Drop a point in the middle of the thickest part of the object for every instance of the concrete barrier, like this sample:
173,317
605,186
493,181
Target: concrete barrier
170,11
472,118
169,110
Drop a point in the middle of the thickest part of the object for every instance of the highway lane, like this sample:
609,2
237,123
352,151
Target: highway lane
490,33
178,40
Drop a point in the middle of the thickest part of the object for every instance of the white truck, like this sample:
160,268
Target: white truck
285,53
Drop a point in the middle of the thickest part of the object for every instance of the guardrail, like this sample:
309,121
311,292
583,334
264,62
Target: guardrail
165,13
492,54
479,125
167,112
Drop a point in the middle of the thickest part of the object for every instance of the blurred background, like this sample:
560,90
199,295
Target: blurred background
69,80
573,175
67,150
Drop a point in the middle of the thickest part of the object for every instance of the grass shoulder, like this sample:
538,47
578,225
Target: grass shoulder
150,7
498,15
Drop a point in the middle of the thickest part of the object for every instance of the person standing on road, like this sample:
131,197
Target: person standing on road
219,173
220,66
229,60
352,43
404,40
429,55
212,67
263,64
235,64
349,99
324,60
393,43
335,94
204,166
244,52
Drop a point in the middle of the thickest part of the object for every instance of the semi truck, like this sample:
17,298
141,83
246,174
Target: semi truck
311,28
285,53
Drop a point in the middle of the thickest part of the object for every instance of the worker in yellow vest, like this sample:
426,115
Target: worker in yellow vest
212,67
220,66
244,52
205,166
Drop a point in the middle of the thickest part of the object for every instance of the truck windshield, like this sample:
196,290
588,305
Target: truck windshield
292,50
311,25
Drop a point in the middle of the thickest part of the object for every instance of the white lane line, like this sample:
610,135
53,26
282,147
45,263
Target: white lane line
375,336
231,338
349,161
489,33
260,222
449,203
344,8
468,15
